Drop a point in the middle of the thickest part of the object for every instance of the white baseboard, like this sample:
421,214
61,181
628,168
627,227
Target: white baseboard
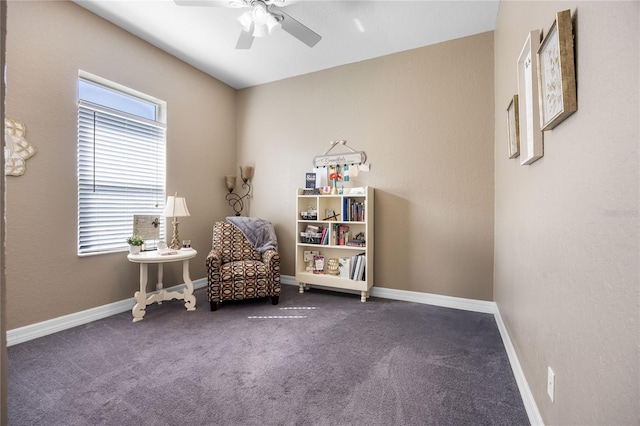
44,328
474,305
525,392
29,332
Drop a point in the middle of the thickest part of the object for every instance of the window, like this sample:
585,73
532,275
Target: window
121,163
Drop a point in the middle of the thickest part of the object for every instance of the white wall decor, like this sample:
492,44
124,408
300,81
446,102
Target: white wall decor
530,133
16,150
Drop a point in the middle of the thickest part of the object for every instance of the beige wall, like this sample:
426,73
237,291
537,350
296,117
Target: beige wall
47,43
425,120
566,247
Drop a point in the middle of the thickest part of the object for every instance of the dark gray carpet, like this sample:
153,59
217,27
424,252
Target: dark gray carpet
319,358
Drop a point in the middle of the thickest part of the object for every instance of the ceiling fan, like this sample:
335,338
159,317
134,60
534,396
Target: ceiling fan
264,17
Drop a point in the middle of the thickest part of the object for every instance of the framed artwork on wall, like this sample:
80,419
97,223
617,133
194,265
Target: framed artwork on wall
529,111
513,129
556,73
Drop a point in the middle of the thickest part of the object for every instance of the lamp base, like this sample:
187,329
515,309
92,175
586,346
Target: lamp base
175,241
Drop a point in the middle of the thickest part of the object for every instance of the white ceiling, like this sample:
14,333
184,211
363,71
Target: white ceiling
351,31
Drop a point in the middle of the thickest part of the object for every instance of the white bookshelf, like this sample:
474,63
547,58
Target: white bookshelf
355,211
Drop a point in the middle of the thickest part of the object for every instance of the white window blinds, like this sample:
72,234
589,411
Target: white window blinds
121,172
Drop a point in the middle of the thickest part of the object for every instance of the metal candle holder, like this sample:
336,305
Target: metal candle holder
237,201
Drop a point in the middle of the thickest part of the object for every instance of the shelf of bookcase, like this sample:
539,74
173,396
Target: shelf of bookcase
326,280
345,205
330,246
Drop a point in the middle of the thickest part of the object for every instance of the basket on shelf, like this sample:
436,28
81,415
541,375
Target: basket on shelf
309,215
310,237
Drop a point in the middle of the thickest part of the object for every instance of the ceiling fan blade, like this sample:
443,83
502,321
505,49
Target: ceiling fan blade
245,40
298,30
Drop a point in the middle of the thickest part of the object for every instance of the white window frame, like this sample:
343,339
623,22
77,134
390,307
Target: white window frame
111,193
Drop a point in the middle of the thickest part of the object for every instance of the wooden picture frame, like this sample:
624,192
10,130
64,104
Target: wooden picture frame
556,73
513,128
531,148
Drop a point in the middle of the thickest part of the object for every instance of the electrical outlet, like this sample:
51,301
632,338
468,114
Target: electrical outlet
551,383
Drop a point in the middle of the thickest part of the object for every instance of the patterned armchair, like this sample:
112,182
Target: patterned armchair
236,270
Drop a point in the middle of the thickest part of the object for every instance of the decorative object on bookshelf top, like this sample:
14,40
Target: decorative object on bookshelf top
335,177
314,191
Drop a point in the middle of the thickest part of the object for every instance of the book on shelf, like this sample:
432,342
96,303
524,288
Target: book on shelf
343,234
361,268
357,267
325,236
310,180
354,210
344,267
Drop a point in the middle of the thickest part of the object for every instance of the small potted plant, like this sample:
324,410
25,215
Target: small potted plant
135,243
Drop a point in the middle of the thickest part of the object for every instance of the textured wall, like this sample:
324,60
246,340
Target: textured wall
425,119
566,247
47,43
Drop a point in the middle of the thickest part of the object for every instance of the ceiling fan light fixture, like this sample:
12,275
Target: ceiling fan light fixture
245,20
260,30
260,14
273,25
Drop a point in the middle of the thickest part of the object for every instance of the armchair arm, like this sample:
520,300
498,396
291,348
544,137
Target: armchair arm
271,259
214,260
214,265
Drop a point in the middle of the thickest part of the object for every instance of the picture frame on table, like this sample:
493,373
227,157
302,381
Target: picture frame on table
556,73
531,148
513,128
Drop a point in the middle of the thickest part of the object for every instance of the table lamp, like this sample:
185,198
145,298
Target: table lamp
175,207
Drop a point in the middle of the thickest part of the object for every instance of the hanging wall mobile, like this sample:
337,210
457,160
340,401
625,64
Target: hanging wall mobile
339,167
353,157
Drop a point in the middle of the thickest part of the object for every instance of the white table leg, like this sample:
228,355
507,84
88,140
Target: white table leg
159,285
138,310
189,298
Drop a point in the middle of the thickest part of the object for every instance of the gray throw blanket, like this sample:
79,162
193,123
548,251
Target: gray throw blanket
259,232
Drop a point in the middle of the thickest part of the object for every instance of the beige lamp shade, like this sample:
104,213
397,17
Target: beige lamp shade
175,207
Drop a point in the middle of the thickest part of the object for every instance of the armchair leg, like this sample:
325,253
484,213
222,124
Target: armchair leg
214,306
274,300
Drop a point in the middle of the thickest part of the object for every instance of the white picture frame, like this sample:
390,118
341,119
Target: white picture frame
531,143
513,129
